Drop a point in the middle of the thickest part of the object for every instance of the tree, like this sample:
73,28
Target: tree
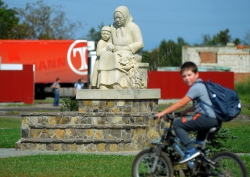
222,38
247,38
207,40
95,35
8,21
39,21
236,41
168,54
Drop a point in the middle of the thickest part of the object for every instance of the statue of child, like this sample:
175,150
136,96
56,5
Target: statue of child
104,44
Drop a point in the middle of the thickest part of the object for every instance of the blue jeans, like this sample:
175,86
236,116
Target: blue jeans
56,99
198,122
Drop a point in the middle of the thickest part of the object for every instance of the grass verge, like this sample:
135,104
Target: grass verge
10,132
67,165
240,129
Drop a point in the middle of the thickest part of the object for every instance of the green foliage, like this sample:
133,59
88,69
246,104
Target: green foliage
40,21
242,88
95,35
12,113
84,165
217,143
168,54
69,104
247,38
8,21
222,38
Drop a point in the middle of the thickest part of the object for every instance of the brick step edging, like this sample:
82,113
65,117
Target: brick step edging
86,126
74,140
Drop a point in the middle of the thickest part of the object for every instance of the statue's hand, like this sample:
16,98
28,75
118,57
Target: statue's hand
110,48
117,48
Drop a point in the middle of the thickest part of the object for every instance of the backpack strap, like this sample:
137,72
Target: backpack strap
202,103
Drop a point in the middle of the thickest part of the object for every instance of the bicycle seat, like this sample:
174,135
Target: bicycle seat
213,130
209,135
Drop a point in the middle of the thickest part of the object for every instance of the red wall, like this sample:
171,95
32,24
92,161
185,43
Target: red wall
17,85
172,86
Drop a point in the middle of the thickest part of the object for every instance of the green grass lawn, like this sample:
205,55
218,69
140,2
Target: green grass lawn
67,165
241,130
10,132
92,165
60,165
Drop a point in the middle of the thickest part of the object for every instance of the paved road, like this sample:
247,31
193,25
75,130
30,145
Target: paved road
11,152
5,111
35,107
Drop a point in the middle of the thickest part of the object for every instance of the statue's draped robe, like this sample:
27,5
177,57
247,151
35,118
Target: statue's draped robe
109,66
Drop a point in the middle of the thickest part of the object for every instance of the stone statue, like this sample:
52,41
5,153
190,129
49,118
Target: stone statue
118,66
103,45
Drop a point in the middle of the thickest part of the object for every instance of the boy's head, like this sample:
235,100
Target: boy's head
106,33
188,65
189,73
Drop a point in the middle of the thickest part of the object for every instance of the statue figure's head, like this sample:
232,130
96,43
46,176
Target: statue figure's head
122,16
106,33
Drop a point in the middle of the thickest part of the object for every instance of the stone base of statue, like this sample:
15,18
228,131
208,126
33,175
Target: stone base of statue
107,121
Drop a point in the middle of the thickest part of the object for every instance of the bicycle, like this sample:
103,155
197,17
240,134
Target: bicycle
161,159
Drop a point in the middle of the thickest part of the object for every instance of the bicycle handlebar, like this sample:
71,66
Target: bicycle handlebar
170,116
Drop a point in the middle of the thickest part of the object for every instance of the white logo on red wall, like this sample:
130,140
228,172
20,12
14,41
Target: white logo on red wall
77,57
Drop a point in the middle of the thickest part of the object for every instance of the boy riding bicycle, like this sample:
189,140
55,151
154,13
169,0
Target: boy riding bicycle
200,121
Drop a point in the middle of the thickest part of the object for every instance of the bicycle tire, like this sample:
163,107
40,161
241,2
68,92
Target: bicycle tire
145,159
229,164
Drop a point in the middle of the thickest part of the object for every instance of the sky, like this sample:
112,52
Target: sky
159,19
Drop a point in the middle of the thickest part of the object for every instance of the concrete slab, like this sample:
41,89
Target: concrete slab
93,94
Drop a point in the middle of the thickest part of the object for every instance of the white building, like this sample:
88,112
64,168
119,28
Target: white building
235,58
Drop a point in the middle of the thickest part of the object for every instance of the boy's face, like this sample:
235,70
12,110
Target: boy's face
189,77
105,35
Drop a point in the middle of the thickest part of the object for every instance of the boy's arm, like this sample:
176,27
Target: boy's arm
185,100
190,109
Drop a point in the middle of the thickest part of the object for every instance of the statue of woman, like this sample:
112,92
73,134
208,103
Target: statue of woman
127,39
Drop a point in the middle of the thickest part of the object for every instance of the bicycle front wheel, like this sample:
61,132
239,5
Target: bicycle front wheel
229,164
143,163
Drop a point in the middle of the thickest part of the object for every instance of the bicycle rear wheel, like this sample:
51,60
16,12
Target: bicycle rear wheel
144,161
229,164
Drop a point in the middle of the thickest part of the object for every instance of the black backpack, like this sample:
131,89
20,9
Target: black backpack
225,102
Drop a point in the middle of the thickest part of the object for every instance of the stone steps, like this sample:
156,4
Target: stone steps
74,140
78,132
86,126
100,125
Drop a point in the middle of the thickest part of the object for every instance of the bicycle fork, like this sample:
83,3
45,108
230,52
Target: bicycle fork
157,155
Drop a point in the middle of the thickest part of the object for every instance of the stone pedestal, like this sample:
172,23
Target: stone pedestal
107,121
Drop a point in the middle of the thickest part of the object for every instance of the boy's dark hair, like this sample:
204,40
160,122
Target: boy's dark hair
57,79
188,65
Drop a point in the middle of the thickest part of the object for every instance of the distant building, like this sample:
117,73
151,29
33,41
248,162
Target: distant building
224,58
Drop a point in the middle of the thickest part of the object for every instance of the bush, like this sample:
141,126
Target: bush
69,104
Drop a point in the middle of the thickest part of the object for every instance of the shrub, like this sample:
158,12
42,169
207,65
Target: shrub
69,104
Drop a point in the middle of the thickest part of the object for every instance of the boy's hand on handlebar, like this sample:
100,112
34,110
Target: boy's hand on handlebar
159,115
